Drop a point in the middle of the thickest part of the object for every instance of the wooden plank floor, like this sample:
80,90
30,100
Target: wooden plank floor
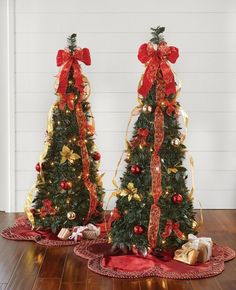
26,265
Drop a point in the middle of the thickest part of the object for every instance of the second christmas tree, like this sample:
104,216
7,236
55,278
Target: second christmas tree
154,210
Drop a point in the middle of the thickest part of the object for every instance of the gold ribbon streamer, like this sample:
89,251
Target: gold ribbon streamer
191,160
33,189
114,182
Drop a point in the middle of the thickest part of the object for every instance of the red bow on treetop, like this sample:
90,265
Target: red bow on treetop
172,227
68,60
154,60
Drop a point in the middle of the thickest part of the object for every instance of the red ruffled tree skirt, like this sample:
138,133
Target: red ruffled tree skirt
22,231
131,266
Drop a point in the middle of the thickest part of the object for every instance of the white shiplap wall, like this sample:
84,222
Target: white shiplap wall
203,30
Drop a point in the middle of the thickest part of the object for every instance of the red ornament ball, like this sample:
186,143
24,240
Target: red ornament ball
63,184
96,156
177,198
38,167
138,230
135,169
68,184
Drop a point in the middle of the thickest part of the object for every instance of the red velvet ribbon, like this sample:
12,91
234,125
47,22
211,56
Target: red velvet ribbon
172,227
155,60
140,138
69,60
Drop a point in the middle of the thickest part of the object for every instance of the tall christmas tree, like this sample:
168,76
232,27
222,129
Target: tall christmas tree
68,191
154,210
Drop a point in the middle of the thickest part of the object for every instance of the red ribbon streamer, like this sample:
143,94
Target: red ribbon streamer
70,60
155,168
172,227
157,60
82,123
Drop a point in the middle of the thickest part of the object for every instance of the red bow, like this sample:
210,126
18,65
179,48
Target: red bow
172,227
140,138
154,60
68,60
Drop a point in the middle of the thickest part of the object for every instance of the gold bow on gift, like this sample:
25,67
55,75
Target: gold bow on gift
130,191
187,254
67,154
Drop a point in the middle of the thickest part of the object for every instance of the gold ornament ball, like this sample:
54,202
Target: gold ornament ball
147,109
175,142
109,240
69,184
144,109
71,215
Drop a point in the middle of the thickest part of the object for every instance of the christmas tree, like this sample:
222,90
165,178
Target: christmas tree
154,210
68,191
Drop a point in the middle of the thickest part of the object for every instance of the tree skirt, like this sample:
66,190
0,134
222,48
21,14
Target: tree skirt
22,231
131,266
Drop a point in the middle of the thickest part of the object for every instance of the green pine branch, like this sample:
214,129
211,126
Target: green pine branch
157,35
71,41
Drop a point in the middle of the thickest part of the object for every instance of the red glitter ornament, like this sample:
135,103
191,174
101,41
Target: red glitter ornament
135,169
96,156
63,184
177,198
38,167
138,230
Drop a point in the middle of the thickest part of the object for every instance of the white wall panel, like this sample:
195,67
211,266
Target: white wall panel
204,31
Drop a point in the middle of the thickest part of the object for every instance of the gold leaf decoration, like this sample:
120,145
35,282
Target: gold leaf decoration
67,154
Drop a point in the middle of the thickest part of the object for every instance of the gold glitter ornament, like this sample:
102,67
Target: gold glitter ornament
71,215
